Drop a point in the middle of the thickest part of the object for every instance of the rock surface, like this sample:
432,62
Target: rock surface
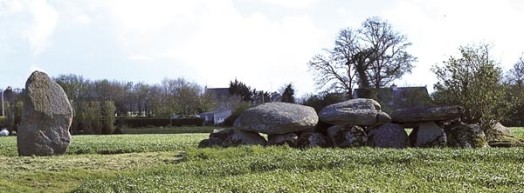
282,139
388,135
428,134
46,118
466,136
347,136
312,139
360,111
277,118
232,138
4,132
424,114
501,129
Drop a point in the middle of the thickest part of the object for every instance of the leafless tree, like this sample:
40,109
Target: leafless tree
516,74
372,56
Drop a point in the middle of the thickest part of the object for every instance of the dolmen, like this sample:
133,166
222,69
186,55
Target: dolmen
46,118
352,123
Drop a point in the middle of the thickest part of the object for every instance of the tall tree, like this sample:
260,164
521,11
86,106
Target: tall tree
241,89
373,56
473,81
388,56
515,75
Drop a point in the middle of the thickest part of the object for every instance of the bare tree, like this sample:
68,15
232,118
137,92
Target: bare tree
373,55
388,57
516,74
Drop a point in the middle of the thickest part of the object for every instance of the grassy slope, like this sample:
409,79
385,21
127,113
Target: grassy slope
157,163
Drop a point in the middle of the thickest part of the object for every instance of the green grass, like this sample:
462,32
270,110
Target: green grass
517,132
172,163
168,130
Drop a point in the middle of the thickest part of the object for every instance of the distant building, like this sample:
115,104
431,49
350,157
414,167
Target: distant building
394,97
223,109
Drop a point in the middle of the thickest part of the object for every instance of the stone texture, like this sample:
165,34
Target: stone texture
347,136
277,118
501,129
282,139
424,114
312,139
232,138
4,132
388,135
362,112
466,136
428,134
46,118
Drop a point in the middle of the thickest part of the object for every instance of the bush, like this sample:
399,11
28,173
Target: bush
144,122
188,122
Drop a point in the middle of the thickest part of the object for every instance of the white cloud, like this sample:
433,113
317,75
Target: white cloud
83,20
140,57
45,18
295,4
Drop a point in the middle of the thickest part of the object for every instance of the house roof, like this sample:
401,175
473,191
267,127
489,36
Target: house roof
396,97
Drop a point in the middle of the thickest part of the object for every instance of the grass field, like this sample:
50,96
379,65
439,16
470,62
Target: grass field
171,163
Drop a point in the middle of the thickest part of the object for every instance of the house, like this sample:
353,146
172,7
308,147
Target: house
216,117
223,109
394,97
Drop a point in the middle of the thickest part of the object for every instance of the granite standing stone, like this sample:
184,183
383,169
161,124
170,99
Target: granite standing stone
46,118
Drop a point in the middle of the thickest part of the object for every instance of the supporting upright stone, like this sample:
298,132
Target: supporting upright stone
46,118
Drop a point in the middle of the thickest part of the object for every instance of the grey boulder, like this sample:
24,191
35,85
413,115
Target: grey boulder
347,136
364,112
46,118
232,138
424,114
428,134
466,136
388,135
277,118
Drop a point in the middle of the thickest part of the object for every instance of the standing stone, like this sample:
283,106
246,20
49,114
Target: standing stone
347,136
277,118
360,111
428,134
46,118
290,139
388,135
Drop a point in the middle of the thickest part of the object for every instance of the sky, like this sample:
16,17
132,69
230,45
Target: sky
263,43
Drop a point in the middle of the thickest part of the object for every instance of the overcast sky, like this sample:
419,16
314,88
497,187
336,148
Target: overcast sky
264,43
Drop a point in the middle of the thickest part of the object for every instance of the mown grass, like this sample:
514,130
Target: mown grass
172,163
168,130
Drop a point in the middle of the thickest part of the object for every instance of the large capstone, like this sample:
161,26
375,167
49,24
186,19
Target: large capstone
232,138
388,135
360,111
46,118
277,118
425,114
